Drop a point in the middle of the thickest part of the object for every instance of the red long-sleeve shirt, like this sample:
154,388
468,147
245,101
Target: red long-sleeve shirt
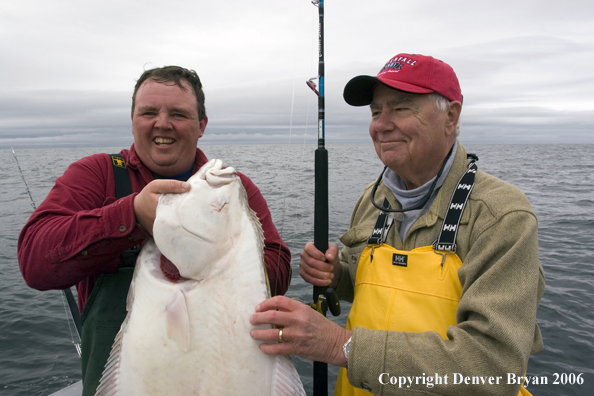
80,229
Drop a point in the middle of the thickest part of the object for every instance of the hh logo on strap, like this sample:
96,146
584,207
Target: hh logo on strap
400,260
118,162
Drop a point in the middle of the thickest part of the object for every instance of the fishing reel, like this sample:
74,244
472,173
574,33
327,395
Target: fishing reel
327,299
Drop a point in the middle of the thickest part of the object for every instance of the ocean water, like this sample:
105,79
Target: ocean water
36,352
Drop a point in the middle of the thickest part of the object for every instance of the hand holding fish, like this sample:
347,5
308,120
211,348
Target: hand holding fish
145,203
305,332
320,269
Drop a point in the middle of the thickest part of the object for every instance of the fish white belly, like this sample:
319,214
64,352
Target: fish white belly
222,358
192,337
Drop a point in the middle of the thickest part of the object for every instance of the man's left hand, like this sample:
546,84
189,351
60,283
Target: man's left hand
145,203
305,332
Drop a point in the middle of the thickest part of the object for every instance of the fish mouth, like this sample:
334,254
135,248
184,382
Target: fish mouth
209,240
182,224
203,237
187,225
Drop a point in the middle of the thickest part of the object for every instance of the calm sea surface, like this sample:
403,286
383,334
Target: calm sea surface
36,352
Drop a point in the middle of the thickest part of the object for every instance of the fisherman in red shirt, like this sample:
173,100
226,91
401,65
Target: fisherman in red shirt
84,233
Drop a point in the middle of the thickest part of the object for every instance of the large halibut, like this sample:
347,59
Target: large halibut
192,336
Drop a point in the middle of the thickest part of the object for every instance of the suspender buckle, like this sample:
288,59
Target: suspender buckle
382,226
444,253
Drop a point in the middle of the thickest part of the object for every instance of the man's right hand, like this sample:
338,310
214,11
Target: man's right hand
145,203
320,269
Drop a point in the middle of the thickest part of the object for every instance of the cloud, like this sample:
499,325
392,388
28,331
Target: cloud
68,68
63,118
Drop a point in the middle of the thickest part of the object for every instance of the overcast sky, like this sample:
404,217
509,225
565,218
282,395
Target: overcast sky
67,68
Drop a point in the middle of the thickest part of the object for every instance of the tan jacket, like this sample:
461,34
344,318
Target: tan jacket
502,284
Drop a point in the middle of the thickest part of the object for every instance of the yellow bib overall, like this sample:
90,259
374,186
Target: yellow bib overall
412,291
403,291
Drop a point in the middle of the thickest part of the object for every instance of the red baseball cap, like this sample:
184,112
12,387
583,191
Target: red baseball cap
406,72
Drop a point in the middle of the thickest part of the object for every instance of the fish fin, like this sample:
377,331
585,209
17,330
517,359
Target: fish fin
285,379
255,221
130,297
108,384
178,320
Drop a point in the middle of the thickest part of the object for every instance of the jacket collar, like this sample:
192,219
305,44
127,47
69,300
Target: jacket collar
442,200
438,209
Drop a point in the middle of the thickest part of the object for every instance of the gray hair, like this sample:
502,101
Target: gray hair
442,104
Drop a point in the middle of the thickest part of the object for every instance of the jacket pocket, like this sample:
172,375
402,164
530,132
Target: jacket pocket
355,241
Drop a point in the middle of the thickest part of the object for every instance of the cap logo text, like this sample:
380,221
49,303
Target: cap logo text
397,62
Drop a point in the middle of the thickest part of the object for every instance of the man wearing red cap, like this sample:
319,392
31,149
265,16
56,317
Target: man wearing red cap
440,260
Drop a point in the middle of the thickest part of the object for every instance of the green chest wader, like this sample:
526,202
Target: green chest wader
105,310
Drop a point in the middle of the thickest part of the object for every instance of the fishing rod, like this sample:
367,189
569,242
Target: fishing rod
66,292
324,298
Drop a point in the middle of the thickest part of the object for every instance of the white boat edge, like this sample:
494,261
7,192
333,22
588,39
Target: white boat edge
73,390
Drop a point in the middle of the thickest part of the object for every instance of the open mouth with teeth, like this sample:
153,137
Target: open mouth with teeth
163,141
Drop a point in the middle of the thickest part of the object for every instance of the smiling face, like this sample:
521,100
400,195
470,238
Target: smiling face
166,127
411,136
